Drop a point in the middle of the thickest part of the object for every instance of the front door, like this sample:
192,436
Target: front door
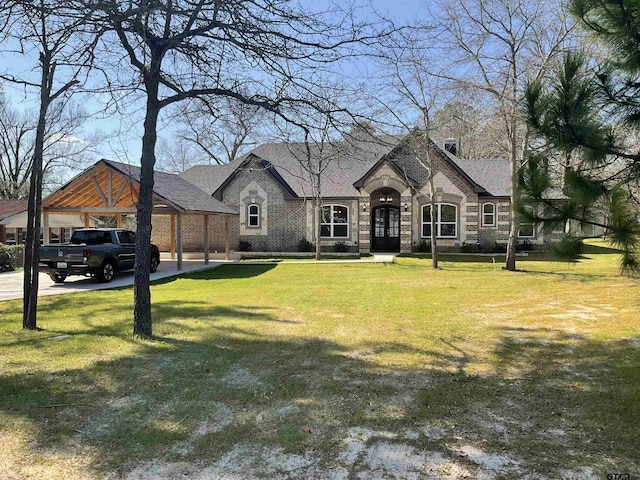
386,229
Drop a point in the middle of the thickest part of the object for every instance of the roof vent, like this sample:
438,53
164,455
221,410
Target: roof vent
451,145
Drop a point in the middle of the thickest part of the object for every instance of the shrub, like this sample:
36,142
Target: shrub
305,245
525,246
424,247
244,246
470,248
499,248
340,247
10,256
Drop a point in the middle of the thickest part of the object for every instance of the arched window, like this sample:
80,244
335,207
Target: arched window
488,214
335,221
446,221
253,215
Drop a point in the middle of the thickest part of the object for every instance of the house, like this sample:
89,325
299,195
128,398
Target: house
13,223
376,197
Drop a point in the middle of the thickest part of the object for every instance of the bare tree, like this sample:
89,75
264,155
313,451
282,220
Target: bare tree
41,27
264,53
64,150
414,98
222,128
496,46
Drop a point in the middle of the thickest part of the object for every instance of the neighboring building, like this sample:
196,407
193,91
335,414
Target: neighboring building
13,223
375,196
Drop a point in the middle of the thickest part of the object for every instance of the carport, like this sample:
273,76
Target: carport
111,188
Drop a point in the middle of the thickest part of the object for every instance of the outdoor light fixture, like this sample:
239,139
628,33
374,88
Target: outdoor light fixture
364,207
406,207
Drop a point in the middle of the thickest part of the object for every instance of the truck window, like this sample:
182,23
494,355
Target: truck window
126,237
90,237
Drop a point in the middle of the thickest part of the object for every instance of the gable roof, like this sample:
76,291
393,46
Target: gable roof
176,190
350,161
9,208
209,178
93,189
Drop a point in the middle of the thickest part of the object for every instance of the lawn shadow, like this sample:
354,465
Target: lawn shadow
552,402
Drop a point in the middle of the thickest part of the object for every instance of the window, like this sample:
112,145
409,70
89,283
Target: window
253,215
489,215
527,229
126,237
54,235
446,221
335,221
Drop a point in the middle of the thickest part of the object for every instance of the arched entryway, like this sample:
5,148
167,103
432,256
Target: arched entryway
385,221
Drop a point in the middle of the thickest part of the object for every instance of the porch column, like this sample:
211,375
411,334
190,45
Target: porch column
3,234
18,236
179,239
87,220
172,249
226,237
206,239
406,222
45,228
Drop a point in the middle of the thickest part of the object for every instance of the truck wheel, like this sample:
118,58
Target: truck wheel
106,273
58,277
154,263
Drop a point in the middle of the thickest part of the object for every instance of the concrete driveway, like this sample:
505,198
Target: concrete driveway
11,282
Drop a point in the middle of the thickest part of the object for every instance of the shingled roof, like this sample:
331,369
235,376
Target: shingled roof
176,190
9,208
351,163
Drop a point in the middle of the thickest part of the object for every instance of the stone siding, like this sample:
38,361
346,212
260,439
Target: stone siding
283,221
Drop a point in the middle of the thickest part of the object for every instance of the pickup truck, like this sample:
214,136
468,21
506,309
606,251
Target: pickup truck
97,252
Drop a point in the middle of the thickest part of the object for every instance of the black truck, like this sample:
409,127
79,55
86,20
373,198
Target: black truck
97,252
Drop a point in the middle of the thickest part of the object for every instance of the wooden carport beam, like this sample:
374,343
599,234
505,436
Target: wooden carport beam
206,239
179,239
226,237
173,236
45,228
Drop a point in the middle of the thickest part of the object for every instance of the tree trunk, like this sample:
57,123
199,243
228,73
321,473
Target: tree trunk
434,245
142,323
510,262
34,208
317,209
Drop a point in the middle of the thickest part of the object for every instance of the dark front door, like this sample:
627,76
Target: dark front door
386,229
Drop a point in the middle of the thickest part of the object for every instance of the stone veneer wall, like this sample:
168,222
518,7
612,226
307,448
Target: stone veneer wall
456,190
283,221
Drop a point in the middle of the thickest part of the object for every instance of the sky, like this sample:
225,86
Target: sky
122,133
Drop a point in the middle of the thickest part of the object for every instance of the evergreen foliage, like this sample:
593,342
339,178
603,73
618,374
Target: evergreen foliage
586,135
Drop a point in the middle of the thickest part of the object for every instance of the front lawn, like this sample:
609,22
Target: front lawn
332,371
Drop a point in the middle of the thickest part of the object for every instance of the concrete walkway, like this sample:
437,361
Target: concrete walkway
11,282
377,258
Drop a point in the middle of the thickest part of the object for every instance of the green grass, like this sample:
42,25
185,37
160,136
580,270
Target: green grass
541,365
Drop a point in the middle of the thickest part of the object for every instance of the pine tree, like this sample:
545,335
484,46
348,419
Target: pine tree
586,145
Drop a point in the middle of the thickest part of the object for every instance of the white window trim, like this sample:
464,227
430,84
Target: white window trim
533,230
482,213
331,224
250,215
438,222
